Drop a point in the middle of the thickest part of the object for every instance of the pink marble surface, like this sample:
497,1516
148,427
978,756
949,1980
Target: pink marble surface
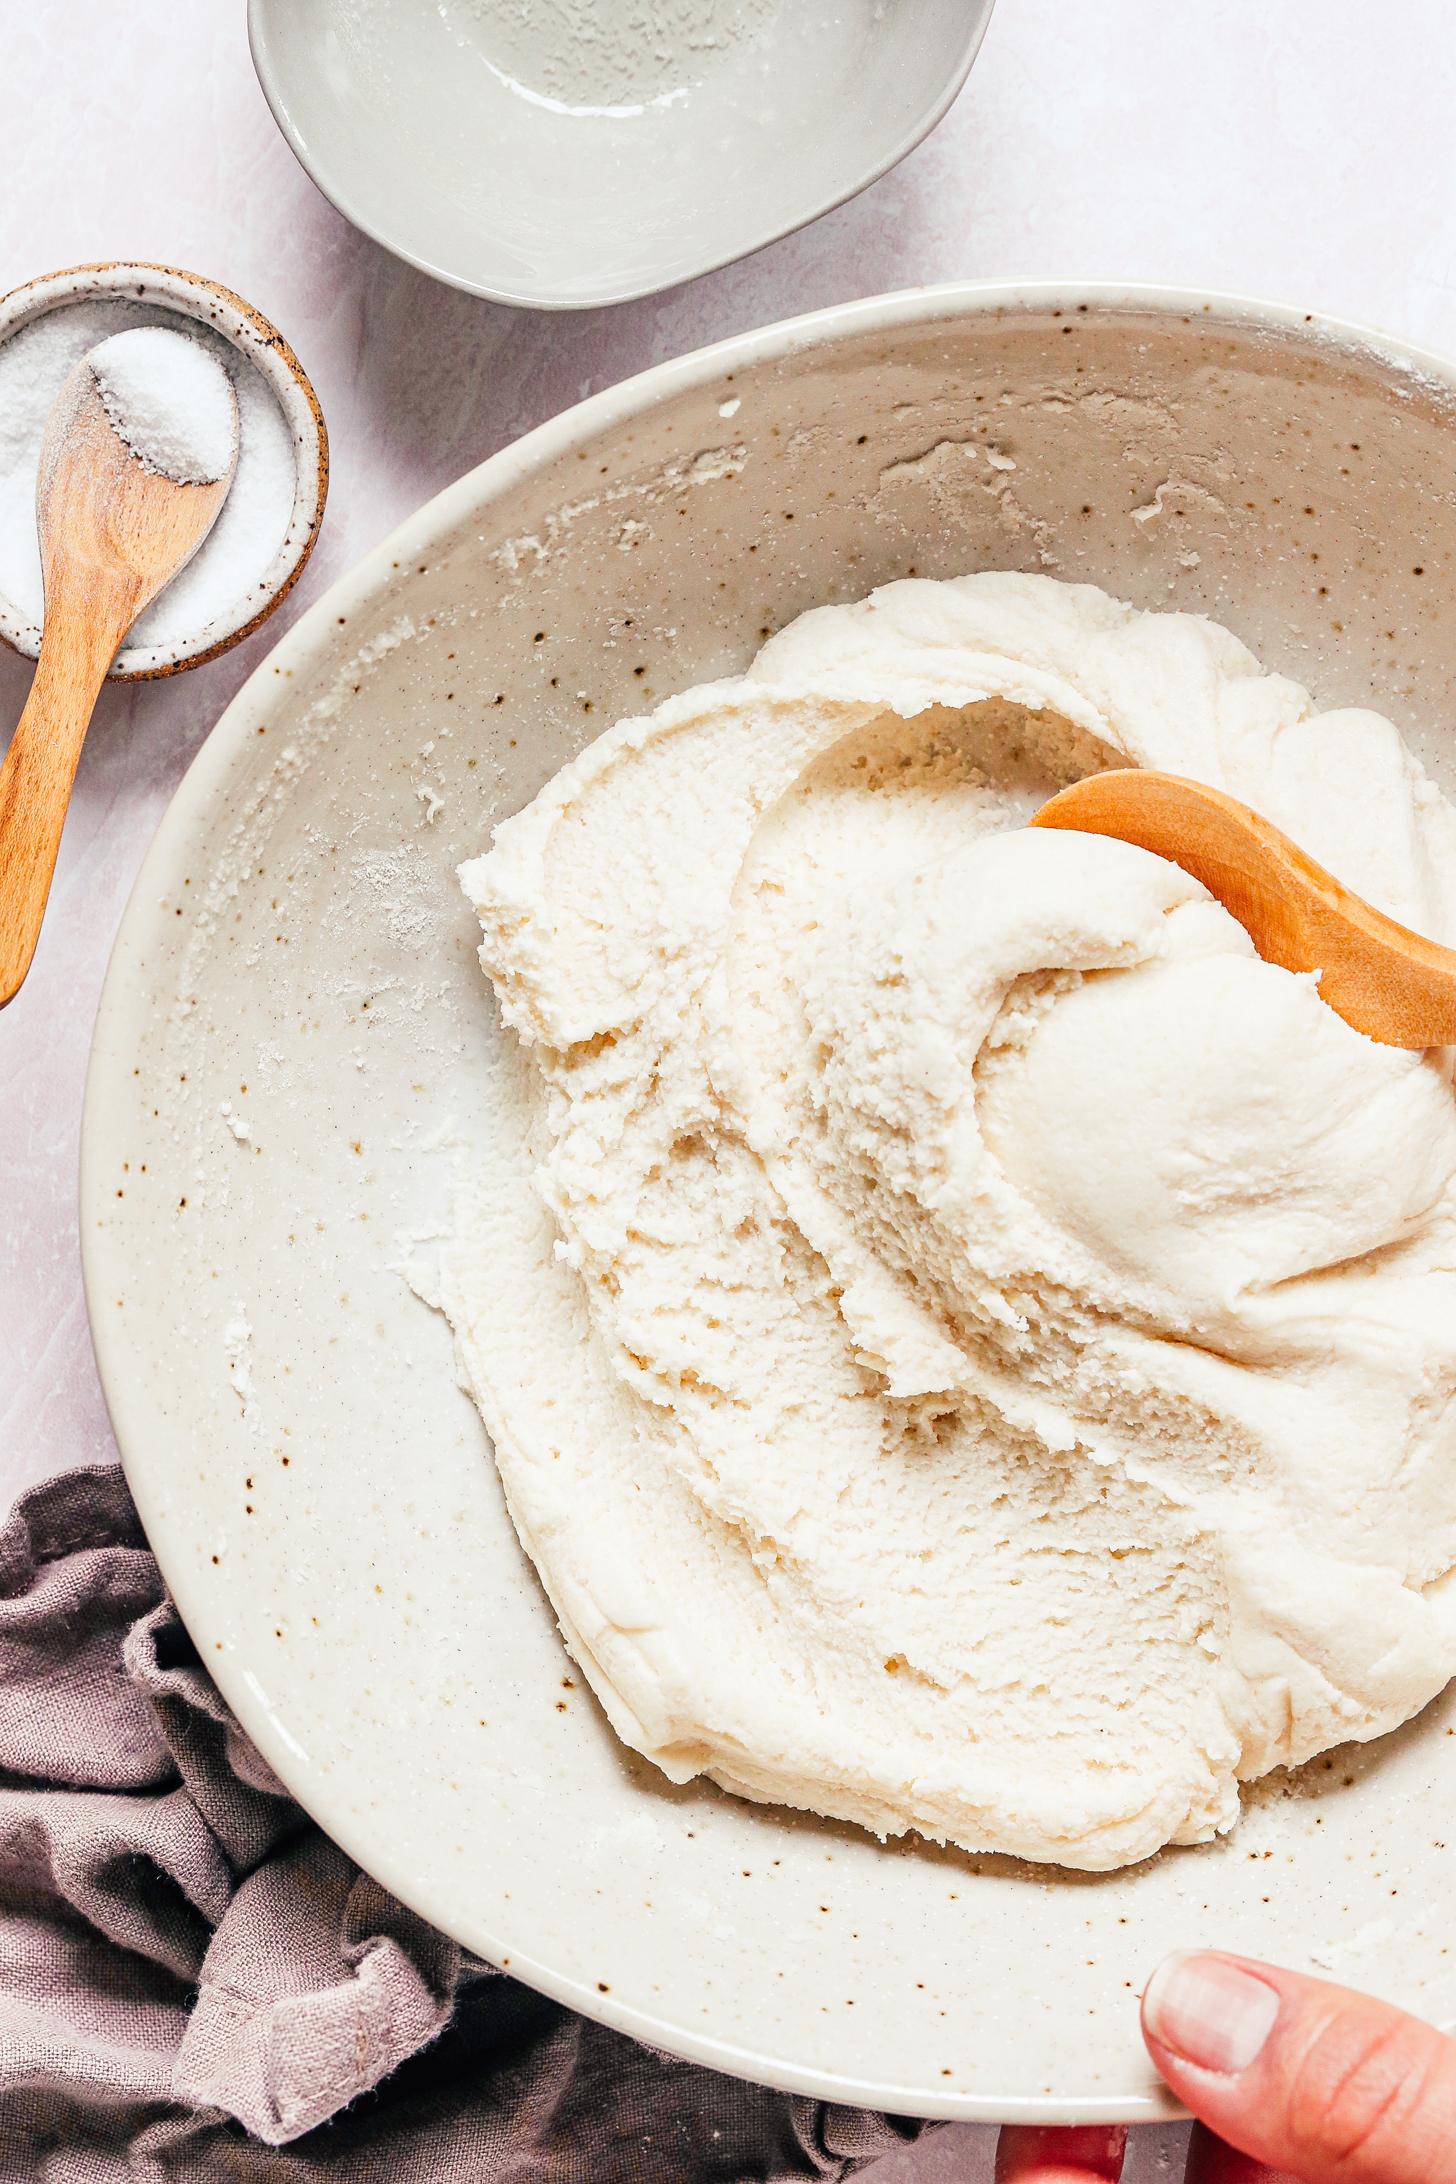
1262,145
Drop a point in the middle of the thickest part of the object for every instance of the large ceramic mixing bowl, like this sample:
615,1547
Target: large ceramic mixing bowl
285,1087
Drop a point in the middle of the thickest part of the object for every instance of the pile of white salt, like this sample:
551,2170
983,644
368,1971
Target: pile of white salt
171,401
171,387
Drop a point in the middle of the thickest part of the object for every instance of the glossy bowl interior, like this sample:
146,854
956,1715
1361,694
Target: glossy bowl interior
143,290
561,153
284,1088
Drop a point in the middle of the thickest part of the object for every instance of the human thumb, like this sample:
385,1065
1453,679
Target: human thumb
1306,2077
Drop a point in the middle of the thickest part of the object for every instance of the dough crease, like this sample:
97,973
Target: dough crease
969,1347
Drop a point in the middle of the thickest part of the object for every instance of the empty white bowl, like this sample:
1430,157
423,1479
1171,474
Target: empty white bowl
561,153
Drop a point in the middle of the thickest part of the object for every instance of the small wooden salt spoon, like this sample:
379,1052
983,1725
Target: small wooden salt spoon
112,535
1385,980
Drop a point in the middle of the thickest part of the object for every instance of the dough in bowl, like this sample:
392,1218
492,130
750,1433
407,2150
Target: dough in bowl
968,1346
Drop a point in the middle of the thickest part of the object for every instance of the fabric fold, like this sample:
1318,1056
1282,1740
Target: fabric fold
196,1983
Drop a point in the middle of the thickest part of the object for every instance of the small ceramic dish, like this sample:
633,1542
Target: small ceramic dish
589,151
146,294
290,1076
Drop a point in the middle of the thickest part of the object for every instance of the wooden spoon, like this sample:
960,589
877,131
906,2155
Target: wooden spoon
1384,979
112,534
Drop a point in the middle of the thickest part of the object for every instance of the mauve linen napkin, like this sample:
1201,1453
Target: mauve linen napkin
196,1984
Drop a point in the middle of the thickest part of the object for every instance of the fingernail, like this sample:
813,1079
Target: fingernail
1210,2011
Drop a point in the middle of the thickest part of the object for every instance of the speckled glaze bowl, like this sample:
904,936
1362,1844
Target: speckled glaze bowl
260,342
284,1089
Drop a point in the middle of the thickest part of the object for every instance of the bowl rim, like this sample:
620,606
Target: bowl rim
275,92
141,938
245,328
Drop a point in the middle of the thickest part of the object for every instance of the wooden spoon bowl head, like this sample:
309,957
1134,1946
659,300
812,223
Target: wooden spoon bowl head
1384,980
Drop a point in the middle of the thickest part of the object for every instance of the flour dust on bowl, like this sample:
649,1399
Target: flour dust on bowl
265,532
296,1062
564,153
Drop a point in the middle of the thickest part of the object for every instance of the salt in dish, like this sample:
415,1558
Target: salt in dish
268,524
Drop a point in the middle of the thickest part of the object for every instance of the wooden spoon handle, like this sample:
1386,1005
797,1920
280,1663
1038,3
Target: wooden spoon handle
39,769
